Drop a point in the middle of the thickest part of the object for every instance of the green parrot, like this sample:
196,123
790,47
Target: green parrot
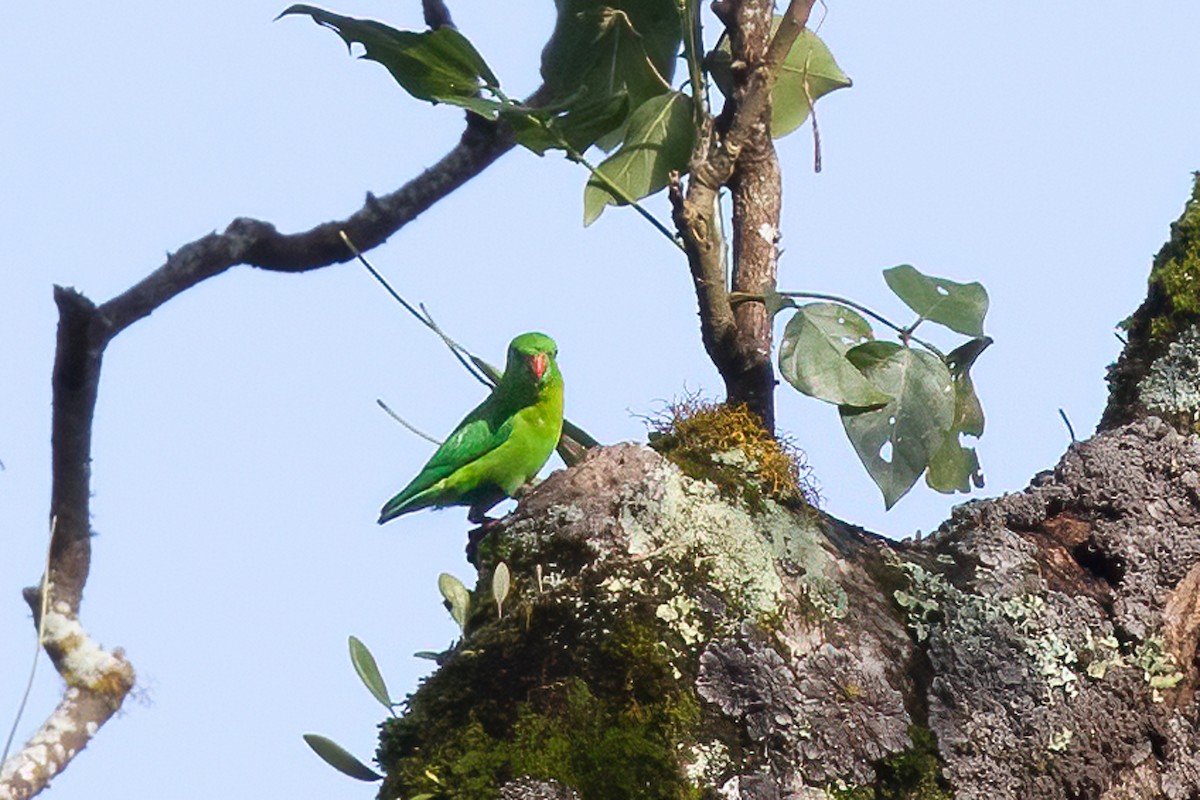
500,445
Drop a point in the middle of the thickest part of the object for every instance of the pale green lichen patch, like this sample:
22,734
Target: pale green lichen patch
687,536
930,599
1171,388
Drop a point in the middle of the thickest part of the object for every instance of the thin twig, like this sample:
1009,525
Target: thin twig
412,428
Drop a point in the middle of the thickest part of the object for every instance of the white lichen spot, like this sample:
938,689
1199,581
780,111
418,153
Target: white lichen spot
767,232
1060,740
84,662
705,761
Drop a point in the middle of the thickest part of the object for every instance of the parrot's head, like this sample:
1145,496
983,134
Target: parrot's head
531,356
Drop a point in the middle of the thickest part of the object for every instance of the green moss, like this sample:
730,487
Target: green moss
1176,273
914,774
599,748
609,727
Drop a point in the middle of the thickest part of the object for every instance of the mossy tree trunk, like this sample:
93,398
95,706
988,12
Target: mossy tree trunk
664,641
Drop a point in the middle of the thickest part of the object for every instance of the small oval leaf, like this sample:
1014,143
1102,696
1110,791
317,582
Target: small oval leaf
368,671
336,756
458,599
501,583
960,307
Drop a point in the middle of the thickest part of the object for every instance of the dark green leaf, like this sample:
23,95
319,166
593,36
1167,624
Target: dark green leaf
368,671
963,357
658,140
959,306
539,129
809,72
439,65
609,47
895,442
428,655
335,756
968,411
812,355
952,467
458,599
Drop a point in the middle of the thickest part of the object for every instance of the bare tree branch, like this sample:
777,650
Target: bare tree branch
98,680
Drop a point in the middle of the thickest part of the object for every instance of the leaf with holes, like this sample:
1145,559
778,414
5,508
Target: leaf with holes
812,355
896,441
368,671
960,307
458,599
659,140
337,757
439,65
953,467
808,72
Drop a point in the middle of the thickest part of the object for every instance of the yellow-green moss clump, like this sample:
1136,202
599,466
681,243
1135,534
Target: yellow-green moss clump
729,446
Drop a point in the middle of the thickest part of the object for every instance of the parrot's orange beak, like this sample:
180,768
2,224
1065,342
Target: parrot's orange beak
538,364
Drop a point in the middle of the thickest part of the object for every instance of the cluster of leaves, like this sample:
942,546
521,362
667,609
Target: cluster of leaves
729,446
608,70
609,82
904,405
457,600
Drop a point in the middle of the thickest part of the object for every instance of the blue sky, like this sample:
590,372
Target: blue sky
240,460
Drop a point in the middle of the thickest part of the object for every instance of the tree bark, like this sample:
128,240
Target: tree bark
663,641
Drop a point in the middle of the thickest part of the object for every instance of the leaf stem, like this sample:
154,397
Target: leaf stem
619,193
905,333
689,12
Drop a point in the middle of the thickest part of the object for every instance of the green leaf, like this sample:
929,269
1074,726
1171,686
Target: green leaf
368,671
896,441
458,599
540,129
968,411
812,355
658,140
501,583
959,306
808,73
953,468
963,357
439,65
609,47
336,756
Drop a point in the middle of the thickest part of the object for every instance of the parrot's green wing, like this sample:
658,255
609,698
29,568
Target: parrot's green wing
476,436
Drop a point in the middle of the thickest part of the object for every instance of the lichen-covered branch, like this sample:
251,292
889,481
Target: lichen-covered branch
98,680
